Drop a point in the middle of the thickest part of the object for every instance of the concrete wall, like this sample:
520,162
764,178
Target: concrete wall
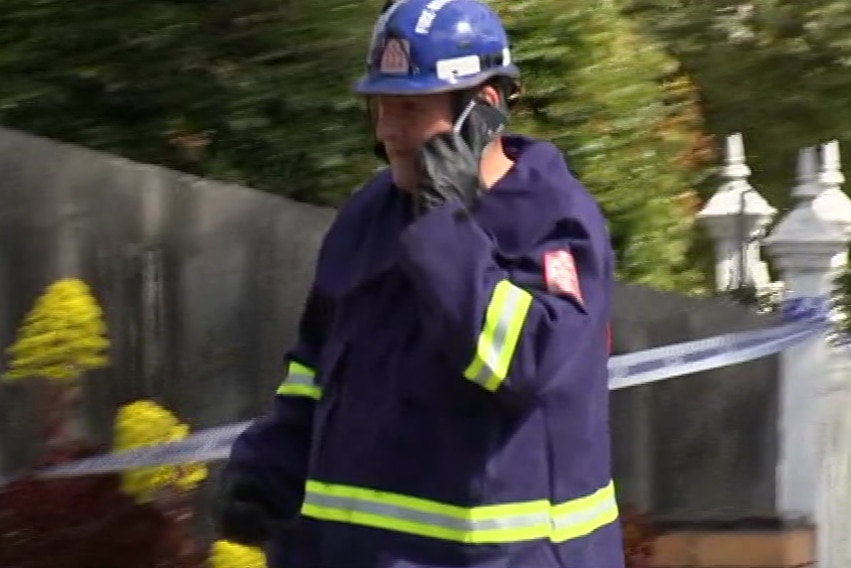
701,446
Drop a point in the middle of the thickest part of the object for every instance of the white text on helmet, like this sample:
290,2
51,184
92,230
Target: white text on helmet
428,14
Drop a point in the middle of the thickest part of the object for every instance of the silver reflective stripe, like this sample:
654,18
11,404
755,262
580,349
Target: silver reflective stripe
301,380
516,521
585,516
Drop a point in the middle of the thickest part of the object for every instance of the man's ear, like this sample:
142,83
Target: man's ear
490,95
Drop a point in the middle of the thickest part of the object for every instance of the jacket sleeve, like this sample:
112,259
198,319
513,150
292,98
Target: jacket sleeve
273,451
497,321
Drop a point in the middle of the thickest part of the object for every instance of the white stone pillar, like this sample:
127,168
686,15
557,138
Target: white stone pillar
807,249
735,217
833,495
833,523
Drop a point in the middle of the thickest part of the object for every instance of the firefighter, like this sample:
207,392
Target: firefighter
446,403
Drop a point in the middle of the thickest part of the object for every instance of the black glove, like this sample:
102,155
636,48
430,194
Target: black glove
448,163
243,512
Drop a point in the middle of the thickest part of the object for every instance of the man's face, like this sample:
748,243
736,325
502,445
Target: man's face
404,123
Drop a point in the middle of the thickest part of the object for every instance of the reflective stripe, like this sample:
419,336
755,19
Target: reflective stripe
498,340
513,522
300,382
582,516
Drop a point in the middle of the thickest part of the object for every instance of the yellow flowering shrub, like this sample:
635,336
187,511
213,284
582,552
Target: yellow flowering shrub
226,554
63,335
145,423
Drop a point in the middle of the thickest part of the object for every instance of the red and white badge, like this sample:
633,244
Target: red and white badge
561,275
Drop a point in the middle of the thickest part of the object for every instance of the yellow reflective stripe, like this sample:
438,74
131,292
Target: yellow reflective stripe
300,382
505,523
498,340
584,515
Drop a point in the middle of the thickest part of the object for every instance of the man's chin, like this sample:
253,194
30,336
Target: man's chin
400,158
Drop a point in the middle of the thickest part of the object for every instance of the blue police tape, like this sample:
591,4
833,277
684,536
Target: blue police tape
662,363
808,316
212,444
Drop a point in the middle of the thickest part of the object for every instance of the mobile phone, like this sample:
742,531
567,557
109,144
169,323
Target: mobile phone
481,121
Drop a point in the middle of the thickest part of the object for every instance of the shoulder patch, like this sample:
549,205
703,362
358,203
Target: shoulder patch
560,274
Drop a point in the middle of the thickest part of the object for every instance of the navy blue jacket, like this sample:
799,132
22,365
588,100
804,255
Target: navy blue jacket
447,401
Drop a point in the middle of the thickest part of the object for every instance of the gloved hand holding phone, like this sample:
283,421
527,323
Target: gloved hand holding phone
449,162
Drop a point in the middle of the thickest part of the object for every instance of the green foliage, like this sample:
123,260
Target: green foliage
62,337
617,104
841,301
254,92
258,93
776,70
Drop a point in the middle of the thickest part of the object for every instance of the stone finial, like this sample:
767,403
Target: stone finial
831,167
832,203
736,198
808,187
735,167
735,216
807,243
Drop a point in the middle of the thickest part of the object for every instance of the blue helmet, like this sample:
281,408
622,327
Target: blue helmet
434,46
